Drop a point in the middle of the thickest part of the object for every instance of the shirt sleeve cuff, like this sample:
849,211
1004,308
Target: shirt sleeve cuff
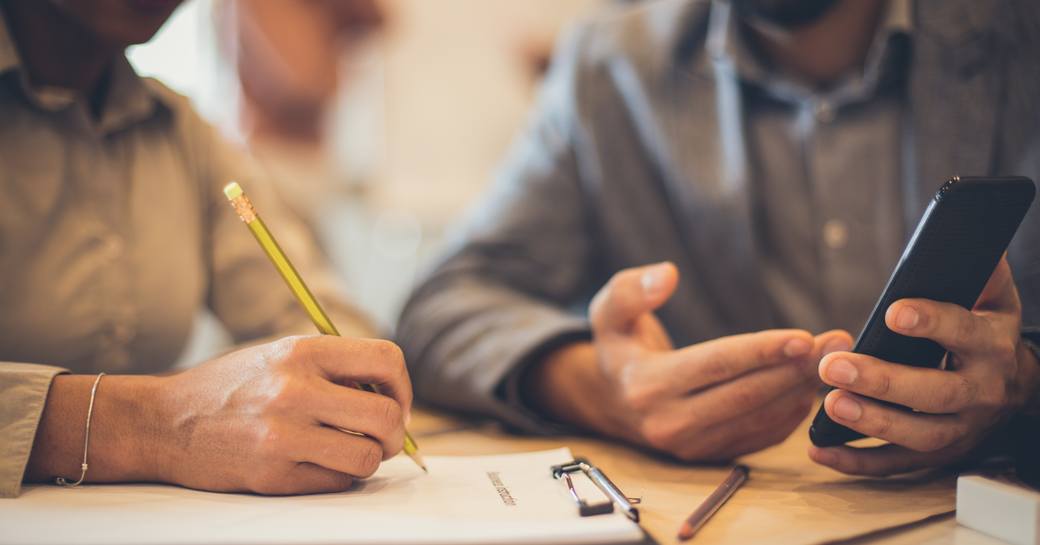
23,392
510,392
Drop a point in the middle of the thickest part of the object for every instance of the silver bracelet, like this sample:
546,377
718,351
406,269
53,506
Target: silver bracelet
62,481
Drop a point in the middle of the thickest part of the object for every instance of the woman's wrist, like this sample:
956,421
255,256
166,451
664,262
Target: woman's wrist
125,431
127,434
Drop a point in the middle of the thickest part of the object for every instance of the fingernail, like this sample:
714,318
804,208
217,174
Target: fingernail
653,280
837,345
847,409
797,347
841,372
907,318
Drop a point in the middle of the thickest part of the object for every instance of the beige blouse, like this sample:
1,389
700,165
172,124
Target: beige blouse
114,233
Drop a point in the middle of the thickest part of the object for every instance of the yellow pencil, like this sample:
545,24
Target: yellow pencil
248,214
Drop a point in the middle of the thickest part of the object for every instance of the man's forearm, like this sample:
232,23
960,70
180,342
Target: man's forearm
123,434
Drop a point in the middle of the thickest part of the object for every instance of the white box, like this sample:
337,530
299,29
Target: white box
1002,510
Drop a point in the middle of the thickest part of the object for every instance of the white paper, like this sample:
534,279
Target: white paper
469,499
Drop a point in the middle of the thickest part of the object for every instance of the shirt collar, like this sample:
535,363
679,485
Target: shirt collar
726,43
129,100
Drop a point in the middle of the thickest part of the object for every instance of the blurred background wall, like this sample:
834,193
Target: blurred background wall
382,120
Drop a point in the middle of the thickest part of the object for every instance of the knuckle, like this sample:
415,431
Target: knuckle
285,395
268,440
296,347
882,425
662,433
389,353
367,458
392,360
954,395
882,385
937,439
930,321
966,326
714,369
1006,350
640,396
390,414
764,351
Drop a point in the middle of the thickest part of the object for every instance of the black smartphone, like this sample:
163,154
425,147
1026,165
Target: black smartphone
950,257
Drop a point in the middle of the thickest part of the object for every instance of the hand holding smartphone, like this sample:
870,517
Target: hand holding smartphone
953,251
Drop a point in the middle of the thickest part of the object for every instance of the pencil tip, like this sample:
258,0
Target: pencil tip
418,459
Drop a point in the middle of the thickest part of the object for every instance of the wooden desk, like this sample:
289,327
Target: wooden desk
788,500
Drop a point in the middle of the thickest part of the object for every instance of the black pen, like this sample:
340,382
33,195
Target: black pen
696,520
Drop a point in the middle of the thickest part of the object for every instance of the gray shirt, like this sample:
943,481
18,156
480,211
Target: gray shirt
826,171
114,232
653,139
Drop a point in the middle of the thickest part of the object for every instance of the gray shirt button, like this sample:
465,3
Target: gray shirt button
823,111
835,234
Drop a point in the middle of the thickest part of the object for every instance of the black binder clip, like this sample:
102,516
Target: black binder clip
586,509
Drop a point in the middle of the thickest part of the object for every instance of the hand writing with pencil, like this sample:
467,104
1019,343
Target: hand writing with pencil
261,419
322,321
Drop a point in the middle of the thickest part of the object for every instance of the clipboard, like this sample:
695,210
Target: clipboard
464,500
614,495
